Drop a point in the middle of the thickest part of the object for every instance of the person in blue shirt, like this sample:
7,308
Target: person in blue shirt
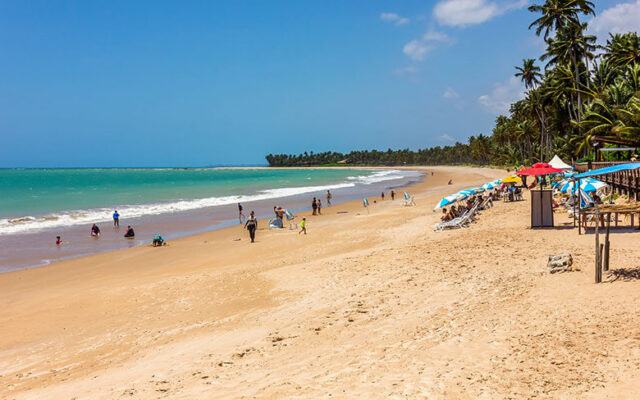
116,219
158,240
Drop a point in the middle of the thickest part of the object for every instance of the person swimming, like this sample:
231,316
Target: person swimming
130,234
95,231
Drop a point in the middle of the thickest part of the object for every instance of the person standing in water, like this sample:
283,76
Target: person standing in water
116,219
319,207
382,196
314,206
240,214
252,225
303,226
328,198
58,240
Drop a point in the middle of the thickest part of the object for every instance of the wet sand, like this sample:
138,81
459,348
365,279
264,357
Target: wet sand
367,305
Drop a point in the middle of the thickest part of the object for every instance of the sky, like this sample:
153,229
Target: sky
195,83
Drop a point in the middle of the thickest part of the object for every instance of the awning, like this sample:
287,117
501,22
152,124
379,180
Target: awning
609,170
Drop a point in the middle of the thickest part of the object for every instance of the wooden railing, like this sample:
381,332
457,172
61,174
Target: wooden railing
623,182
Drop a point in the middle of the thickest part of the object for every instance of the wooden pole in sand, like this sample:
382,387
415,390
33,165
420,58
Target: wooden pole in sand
606,243
597,275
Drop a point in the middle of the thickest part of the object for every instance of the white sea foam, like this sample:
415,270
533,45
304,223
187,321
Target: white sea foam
30,224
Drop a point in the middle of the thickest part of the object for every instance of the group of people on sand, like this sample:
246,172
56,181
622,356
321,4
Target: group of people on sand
95,232
459,210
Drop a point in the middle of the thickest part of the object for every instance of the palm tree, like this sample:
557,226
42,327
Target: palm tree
623,49
529,73
557,14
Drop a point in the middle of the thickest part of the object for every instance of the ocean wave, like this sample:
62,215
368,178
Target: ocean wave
30,224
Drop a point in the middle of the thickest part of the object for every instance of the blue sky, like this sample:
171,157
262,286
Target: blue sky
192,83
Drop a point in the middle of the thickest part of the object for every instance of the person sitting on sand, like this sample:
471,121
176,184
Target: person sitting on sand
303,226
130,234
450,182
95,231
158,240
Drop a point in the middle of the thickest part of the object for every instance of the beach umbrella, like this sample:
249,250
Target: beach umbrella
478,190
539,169
463,194
452,198
587,185
512,179
491,185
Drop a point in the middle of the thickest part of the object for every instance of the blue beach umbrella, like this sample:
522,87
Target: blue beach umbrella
463,194
587,185
452,198
490,185
478,190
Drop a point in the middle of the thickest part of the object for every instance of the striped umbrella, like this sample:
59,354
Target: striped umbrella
463,194
587,185
491,185
452,198
478,190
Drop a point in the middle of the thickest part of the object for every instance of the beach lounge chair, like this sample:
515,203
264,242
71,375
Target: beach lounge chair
290,219
408,200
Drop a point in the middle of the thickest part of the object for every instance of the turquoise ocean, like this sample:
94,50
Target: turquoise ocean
37,204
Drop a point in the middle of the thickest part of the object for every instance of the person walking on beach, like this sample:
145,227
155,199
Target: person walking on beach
319,207
328,198
252,225
240,214
393,195
116,219
303,226
314,206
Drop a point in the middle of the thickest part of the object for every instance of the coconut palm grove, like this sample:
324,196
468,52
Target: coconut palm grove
577,92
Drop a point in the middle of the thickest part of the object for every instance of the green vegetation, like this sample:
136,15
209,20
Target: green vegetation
585,90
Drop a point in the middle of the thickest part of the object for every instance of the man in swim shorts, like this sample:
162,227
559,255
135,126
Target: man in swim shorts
116,218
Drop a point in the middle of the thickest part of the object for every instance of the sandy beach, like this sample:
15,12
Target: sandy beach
370,304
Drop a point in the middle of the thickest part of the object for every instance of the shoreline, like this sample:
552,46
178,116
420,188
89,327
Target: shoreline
367,305
33,249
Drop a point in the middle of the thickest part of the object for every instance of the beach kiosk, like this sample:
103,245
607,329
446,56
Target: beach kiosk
541,199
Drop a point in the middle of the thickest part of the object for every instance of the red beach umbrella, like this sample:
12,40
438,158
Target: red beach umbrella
539,169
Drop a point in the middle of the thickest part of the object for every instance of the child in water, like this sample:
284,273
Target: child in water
58,240
303,225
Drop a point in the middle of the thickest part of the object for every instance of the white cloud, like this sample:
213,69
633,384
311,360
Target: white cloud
450,94
447,138
395,18
621,18
469,12
417,49
502,95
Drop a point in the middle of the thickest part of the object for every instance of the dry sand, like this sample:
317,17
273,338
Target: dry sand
367,305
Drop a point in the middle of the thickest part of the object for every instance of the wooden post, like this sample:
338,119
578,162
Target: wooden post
600,266
606,243
597,267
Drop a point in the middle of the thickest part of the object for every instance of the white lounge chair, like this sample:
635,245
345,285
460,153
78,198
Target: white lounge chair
408,200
